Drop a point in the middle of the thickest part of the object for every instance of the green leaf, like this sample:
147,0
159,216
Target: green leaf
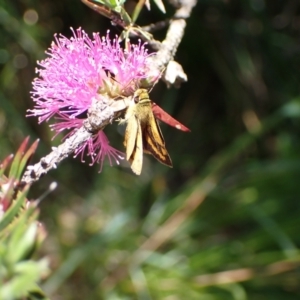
14,170
22,240
26,158
5,164
13,210
29,273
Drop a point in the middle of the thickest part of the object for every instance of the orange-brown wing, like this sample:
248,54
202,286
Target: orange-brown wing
162,115
153,141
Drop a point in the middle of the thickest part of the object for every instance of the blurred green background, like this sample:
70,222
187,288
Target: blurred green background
224,223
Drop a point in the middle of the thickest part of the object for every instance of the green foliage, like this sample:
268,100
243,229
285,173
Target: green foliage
20,234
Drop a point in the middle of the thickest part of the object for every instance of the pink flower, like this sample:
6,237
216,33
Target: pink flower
98,147
78,70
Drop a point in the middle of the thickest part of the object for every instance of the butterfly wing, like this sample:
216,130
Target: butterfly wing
162,115
136,159
153,141
130,134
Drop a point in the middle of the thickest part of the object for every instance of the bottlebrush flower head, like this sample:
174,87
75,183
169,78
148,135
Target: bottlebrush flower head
79,70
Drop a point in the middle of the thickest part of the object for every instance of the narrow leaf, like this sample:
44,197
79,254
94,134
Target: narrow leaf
137,10
160,5
13,210
14,170
5,163
26,157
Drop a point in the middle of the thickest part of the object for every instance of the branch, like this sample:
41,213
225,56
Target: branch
97,120
174,74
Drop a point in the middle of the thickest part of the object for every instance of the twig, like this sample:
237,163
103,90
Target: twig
97,120
245,274
156,26
169,46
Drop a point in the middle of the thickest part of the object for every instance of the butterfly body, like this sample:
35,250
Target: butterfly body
143,133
